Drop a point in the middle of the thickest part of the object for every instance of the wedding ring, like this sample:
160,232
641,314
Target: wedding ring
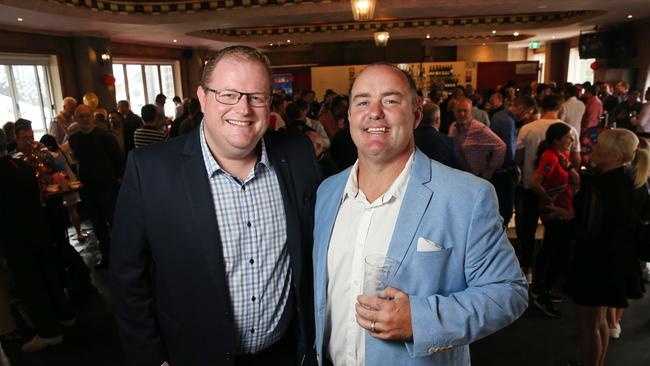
372,326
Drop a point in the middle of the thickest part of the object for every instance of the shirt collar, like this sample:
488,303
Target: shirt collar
396,189
213,167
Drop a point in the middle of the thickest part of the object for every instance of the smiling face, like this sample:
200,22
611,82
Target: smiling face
233,131
383,115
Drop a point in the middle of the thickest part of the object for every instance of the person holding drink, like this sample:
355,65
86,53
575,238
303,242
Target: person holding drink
455,277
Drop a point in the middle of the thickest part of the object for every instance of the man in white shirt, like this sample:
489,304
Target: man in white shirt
526,201
572,109
458,278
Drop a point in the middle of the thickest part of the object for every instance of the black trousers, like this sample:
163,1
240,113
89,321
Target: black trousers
504,185
100,206
74,271
37,280
283,352
553,255
526,210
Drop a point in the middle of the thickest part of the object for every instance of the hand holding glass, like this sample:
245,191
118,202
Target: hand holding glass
378,274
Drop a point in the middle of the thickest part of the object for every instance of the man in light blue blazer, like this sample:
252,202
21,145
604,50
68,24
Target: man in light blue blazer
458,279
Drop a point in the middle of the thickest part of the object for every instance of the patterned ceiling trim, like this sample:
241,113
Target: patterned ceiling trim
536,18
176,7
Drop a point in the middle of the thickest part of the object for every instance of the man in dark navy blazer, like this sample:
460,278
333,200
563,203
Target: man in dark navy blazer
213,233
434,144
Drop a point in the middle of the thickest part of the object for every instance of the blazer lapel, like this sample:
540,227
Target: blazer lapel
325,218
198,195
415,202
282,168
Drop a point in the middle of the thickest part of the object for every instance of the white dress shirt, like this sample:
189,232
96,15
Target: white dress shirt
572,112
361,228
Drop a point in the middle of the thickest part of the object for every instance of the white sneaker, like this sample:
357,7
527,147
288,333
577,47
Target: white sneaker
38,343
615,333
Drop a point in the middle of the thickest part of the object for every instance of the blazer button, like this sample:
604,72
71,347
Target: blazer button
227,356
433,350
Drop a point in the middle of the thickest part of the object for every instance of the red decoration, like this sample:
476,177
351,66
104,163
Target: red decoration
109,80
595,65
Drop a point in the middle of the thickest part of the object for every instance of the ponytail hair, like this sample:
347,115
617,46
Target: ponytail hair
641,163
633,152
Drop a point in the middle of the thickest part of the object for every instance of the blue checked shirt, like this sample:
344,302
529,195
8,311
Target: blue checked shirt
252,225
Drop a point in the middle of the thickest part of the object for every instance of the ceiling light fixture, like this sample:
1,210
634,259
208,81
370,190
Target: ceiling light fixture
363,10
428,36
288,41
516,34
175,40
381,38
19,19
483,44
494,31
629,16
104,57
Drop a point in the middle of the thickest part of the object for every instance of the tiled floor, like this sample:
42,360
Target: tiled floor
533,340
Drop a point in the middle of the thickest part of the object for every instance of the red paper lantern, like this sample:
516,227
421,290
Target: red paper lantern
595,65
109,80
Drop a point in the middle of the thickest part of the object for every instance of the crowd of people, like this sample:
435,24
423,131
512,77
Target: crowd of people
573,156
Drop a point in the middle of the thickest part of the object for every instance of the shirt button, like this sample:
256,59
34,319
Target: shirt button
248,224
251,261
243,188
252,330
253,299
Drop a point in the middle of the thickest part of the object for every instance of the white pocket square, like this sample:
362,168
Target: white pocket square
426,245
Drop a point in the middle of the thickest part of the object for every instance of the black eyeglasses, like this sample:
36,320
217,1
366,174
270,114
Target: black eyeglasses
232,97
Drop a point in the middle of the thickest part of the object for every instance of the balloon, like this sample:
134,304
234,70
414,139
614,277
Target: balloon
91,100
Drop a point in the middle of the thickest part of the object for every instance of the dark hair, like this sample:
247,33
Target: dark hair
239,53
524,100
591,89
9,128
195,106
551,102
276,100
176,99
148,112
556,131
22,125
3,140
338,100
160,96
570,91
293,112
50,142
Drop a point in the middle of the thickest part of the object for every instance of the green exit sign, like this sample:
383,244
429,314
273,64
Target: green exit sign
535,44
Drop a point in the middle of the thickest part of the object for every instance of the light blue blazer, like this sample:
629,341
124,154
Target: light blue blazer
469,289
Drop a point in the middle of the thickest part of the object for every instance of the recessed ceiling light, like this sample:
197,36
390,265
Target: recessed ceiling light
19,19
494,31
270,44
428,36
515,34
175,40
553,37
483,44
629,16
288,41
